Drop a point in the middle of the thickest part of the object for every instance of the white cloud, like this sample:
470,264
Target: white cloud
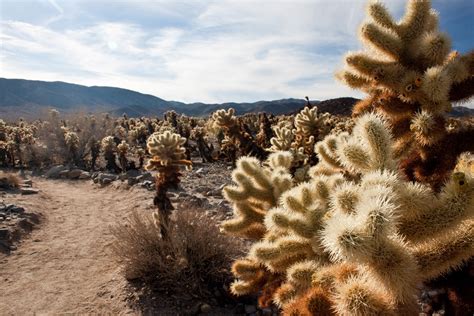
226,50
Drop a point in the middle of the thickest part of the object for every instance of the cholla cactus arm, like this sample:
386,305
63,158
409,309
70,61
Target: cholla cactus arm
258,189
282,139
448,252
370,149
363,236
327,153
454,205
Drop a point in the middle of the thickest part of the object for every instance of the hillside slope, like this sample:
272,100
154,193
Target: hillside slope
30,98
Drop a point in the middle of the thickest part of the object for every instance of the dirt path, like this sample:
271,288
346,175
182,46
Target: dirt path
65,266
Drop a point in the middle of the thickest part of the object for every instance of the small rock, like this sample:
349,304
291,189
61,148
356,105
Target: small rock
132,181
199,171
28,191
267,312
84,175
205,308
28,182
74,174
146,176
15,209
4,234
133,173
249,309
54,171
105,181
106,178
146,183
63,174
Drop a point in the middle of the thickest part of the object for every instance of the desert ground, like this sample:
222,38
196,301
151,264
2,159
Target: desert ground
65,265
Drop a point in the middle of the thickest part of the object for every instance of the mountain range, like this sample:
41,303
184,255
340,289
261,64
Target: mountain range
30,98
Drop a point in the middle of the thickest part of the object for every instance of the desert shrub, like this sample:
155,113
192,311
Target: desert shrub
194,258
9,181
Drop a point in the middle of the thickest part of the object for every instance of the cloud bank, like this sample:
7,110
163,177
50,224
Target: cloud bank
208,51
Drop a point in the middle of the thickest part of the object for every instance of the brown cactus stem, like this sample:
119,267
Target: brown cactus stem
166,178
462,91
432,164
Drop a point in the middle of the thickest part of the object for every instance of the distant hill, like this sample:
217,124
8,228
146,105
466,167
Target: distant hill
28,98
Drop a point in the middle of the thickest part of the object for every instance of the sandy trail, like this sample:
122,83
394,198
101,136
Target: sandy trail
65,266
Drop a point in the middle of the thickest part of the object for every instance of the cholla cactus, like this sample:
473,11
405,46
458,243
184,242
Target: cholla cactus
283,138
357,238
411,69
3,143
72,143
309,127
168,154
94,149
205,151
237,133
122,150
266,133
109,148
140,152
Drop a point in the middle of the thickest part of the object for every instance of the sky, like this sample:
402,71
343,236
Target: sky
198,51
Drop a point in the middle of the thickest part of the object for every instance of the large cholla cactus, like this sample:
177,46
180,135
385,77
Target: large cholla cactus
413,77
168,155
357,239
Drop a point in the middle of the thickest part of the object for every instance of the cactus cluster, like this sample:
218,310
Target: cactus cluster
358,237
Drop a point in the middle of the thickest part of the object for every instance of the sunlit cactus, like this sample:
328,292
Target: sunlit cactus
109,149
358,238
283,138
167,156
413,77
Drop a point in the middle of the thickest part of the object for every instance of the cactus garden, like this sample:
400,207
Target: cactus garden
364,208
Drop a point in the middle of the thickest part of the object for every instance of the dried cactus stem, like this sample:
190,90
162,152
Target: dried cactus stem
166,178
110,162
